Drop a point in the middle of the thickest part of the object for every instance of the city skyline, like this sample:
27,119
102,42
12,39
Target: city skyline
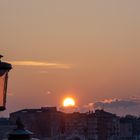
88,50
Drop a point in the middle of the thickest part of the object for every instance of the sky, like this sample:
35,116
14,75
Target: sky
87,49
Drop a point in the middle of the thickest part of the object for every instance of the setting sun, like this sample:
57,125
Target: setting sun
68,102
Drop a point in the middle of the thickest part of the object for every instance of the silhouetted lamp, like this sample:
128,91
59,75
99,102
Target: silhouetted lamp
4,69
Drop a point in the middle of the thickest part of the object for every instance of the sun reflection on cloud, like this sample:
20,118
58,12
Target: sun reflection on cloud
42,64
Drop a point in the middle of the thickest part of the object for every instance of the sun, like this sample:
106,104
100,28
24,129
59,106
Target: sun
68,102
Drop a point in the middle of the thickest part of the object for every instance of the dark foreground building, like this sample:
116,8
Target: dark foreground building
108,125
44,123
49,123
6,126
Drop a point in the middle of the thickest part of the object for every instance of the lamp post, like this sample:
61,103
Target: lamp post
19,133
4,69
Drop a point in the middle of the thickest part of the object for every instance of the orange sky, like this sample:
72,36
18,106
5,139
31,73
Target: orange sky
89,49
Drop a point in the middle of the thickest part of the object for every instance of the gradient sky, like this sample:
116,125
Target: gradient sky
88,49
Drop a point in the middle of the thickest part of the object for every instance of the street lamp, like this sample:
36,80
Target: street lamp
19,133
4,69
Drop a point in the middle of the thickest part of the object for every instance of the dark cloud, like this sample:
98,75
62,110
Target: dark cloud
118,106
116,103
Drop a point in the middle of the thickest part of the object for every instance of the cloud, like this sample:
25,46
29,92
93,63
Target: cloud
41,64
118,106
116,103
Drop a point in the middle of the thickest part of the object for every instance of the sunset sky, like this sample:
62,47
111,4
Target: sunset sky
86,49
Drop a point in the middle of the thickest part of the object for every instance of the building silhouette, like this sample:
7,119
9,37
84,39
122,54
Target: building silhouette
49,123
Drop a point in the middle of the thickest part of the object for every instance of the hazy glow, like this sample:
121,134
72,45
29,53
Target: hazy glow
68,102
